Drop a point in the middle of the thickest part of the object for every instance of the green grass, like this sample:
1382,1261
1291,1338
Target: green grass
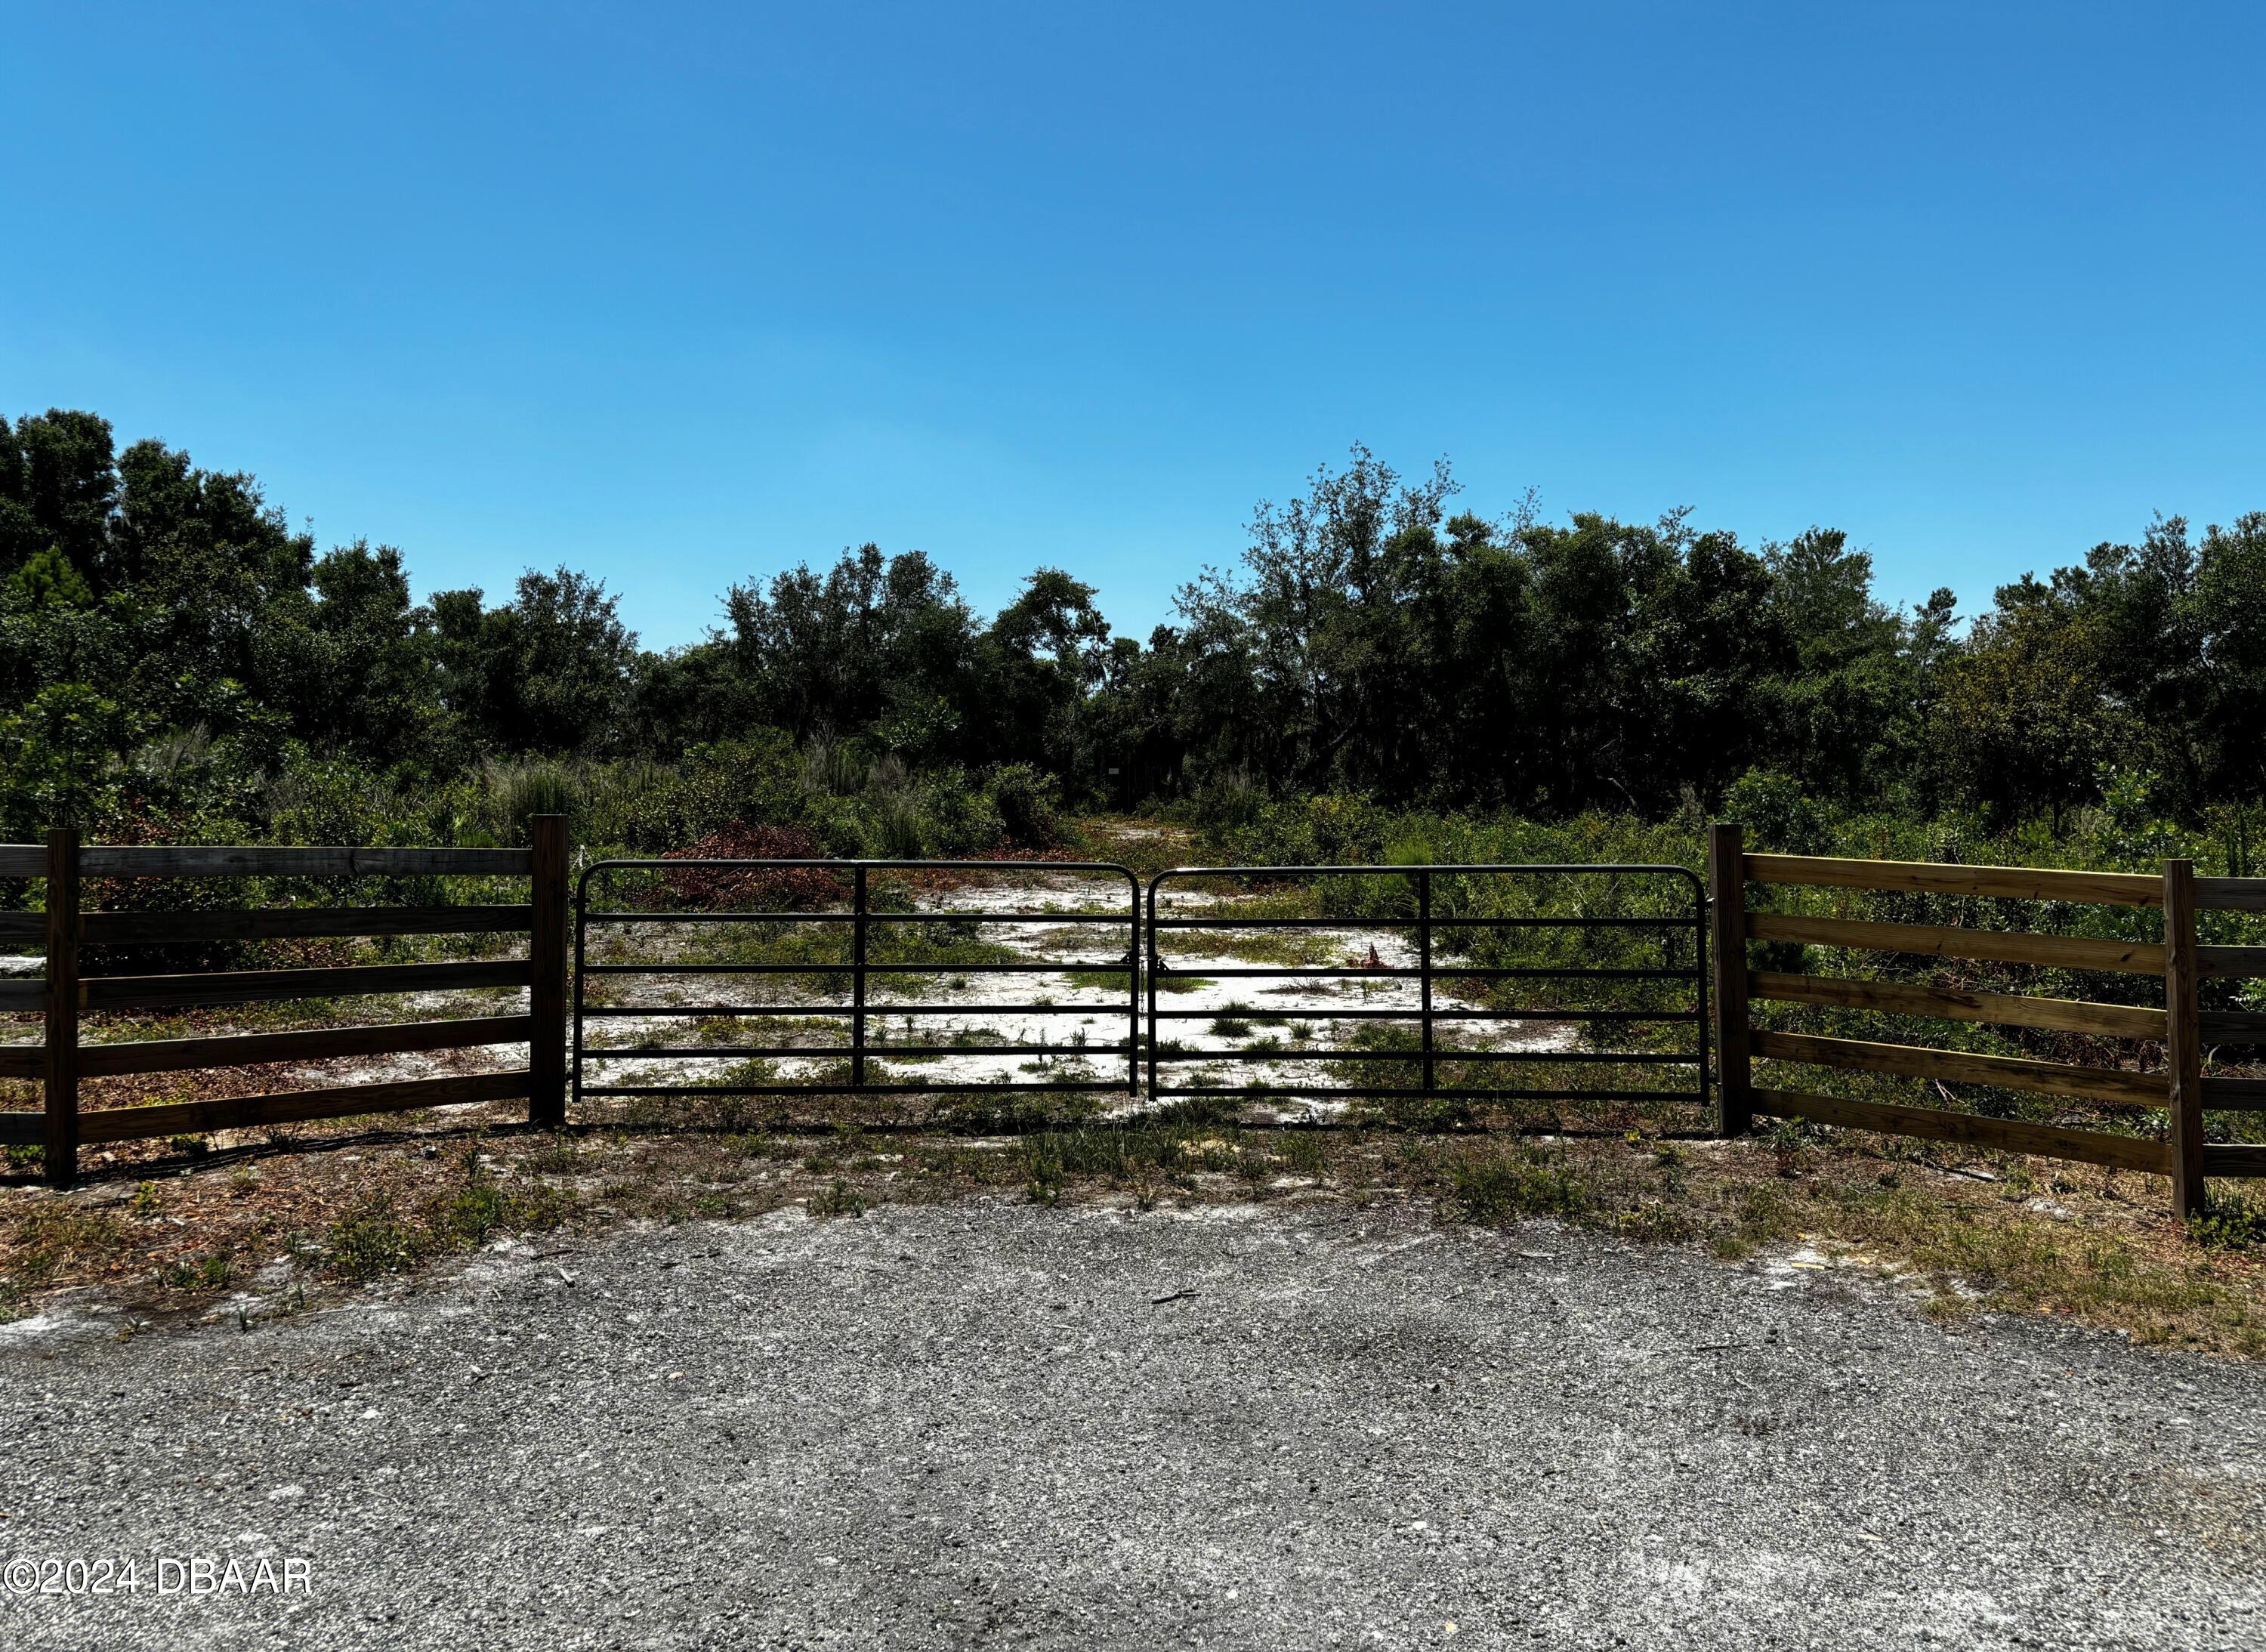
378,1237
1115,980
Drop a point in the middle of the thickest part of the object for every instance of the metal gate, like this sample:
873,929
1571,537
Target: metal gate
877,912
1658,912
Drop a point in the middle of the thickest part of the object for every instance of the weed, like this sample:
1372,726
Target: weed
1303,1153
209,1272
2234,1222
841,1199
1785,1144
1507,1186
1653,1221
1043,1169
372,1239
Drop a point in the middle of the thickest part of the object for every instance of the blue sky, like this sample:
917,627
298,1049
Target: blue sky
681,295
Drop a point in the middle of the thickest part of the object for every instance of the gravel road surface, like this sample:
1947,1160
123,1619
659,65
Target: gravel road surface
995,1423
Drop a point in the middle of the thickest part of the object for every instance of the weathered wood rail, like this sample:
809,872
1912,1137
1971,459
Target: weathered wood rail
62,1059
2179,1091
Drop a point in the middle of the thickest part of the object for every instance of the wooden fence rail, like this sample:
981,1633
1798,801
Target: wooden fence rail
2180,1091
62,1060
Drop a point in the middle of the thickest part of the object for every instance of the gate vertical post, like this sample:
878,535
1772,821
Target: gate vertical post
581,932
2183,1039
1424,966
61,1033
1156,963
546,993
1726,901
858,985
1133,989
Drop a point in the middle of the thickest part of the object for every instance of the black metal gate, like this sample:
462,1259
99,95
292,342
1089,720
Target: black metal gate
705,892
1657,913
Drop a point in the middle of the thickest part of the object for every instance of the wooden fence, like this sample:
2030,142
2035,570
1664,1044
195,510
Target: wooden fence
61,1059
2180,1090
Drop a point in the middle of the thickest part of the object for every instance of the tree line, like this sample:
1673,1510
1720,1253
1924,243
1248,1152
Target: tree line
157,618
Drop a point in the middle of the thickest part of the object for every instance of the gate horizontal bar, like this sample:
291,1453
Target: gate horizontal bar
946,917
1442,868
1682,920
1543,1057
878,1011
1118,1085
1359,972
1080,966
1314,1093
1161,969
878,1052
1252,1013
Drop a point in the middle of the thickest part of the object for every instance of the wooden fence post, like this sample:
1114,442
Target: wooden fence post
1727,899
2184,1038
546,996
61,1007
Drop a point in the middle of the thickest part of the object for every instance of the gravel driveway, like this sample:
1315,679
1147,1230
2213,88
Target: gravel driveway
991,1423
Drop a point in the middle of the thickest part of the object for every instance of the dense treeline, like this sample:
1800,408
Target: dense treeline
168,646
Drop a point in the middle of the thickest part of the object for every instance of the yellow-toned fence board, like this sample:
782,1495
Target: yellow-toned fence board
322,1043
1953,1066
2242,962
123,929
2234,1095
193,1118
200,860
250,986
2019,884
2230,894
2091,1147
1999,1009
2061,952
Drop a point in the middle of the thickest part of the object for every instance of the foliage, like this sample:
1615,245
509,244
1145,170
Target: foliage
171,651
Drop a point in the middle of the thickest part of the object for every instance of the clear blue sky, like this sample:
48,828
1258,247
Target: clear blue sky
680,294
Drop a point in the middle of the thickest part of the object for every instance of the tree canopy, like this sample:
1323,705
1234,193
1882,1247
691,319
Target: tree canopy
1375,636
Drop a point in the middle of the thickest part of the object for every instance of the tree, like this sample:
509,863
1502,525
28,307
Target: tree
2026,720
549,671
58,487
348,657
1038,664
875,639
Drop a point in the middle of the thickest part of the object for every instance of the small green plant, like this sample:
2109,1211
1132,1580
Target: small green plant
372,1239
1509,1185
208,1273
1303,1153
2232,1223
146,1203
841,1199
1043,1169
1787,1142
